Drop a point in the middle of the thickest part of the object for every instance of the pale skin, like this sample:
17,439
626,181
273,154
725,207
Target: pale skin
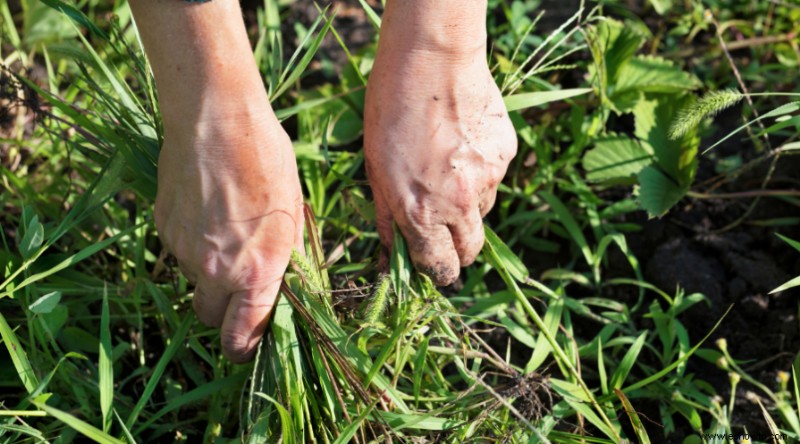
437,141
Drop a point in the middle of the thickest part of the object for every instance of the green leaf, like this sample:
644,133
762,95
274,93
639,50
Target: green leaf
70,261
511,261
528,100
661,6
288,433
77,16
618,45
371,15
651,74
636,422
625,366
46,303
793,243
542,348
419,421
615,157
657,192
105,366
201,393
782,110
18,356
568,221
175,343
84,428
791,284
33,238
653,117
419,366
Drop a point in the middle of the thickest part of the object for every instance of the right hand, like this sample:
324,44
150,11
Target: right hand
230,208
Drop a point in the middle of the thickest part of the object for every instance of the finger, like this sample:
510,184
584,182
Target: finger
432,252
190,275
487,200
209,303
468,237
245,321
384,220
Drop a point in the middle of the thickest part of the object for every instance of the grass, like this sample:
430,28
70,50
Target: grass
553,336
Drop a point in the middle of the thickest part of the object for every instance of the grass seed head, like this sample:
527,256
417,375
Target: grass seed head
709,106
377,305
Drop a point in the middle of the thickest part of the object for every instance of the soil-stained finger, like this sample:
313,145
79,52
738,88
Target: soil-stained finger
432,252
468,237
245,321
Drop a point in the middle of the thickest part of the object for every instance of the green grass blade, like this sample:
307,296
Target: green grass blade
200,393
304,62
569,223
105,365
125,431
18,356
175,343
779,111
351,429
773,428
66,263
288,433
636,422
625,366
518,102
82,427
510,260
791,284
371,15
652,378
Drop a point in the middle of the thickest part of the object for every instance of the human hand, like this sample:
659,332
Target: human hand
438,141
229,207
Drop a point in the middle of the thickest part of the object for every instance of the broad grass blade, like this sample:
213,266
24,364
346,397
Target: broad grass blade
636,422
18,356
84,428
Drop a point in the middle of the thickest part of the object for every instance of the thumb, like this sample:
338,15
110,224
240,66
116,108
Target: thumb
246,319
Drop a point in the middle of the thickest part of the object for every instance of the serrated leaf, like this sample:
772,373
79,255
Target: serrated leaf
648,74
619,43
46,303
653,118
657,192
656,75
615,157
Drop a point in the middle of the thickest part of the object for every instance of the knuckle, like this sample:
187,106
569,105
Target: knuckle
210,265
416,213
263,272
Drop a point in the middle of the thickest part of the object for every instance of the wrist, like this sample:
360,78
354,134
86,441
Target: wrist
453,29
221,133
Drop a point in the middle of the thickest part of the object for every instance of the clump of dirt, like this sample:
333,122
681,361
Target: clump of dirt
532,394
